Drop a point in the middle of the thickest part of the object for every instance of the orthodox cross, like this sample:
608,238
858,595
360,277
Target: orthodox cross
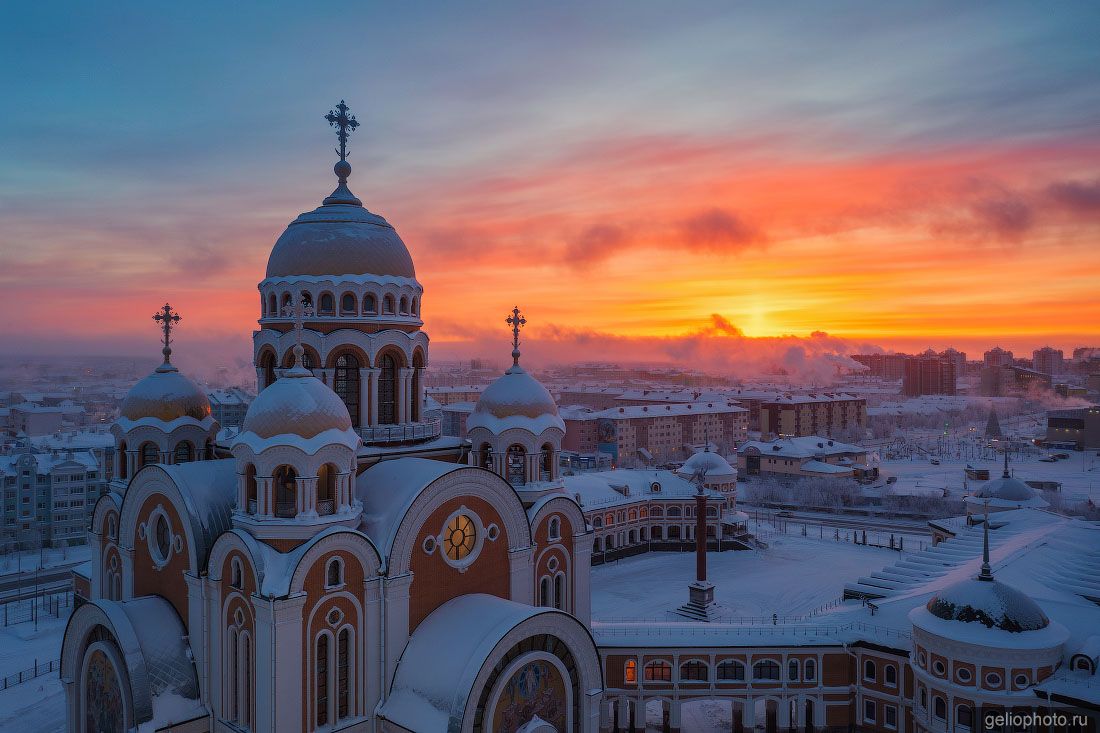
167,318
299,310
516,321
345,124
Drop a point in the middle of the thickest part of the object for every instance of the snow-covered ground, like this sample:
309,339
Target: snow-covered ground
30,560
38,704
793,577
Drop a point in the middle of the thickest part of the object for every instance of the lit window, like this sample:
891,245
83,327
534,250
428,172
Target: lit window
459,538
630,674
660,671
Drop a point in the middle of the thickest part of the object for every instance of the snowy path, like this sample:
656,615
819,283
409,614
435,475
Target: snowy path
793,577
37,706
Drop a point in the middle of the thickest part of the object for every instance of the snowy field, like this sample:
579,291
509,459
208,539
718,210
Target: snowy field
38,704
793,577
30,560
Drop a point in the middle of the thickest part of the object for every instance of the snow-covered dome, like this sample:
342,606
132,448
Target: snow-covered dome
714,466
990,603
165,395
516,400
340,237
1007,488
299,405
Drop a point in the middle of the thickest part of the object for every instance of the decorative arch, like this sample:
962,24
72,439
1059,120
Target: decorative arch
349,304
335,539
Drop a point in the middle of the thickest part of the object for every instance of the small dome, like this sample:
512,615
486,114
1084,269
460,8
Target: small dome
516,394
990,603
297,404
1006,488
340,239
165,395
714,465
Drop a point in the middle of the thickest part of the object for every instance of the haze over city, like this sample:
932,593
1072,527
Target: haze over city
709,184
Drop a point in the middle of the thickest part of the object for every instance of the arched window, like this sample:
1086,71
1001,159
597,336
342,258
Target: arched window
939,707
150,454
346,384
516,465
694,671
321,667
234,675
334,574
286,492
184,453
245,670
674,511
112,527
658,671
554,530
387,304
272,306
964,716
630,672
731,670
287,306
869,670
544,591
630,539
485,456
123,461
810,670
657,512
546,463
416,306
328,305
249,489
766,670
658,533
792,670
343,667
891,674
712,511
597,522
387,390
674,532
370,304
235,574
347,305
326,489
404,305
596,546
559,591
267,364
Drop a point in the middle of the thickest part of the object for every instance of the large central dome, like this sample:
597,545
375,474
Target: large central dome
340,237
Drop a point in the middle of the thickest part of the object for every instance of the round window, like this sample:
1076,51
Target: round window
993,680
429,545
1022,680
459,537
964,674
938,667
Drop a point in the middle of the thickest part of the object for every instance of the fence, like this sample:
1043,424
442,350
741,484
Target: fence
29,674
30,609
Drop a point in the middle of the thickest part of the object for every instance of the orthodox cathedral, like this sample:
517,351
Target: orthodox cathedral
340,565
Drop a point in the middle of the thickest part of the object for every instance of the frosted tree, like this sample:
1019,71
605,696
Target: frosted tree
992,426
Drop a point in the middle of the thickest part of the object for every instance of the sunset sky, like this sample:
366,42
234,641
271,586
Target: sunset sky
699,182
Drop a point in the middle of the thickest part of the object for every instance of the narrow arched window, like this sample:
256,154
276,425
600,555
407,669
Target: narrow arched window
630,672
370,304
250,489
335,573
810,670
346,384
234,676
516,465
404,307
939,708
869,670
387,390
235,574
792,670
964,716
321,679
246,680
416,306
149,454
272,306
328,305
544,591
123,461
891,674
286,491
267,364
343,663
387,304
559,591
555,529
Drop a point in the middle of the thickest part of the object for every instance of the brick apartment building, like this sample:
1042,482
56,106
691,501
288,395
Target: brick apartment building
929,375
812,414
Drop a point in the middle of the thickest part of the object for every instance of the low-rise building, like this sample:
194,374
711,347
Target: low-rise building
228,406
804,457
1079,427
801,415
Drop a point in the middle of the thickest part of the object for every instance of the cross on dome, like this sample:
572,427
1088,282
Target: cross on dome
167,318
299,310
516,321
345,124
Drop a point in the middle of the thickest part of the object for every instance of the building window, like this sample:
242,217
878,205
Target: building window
810,670
555,529
184,453
544,591
387,391
890,716
993,680
347,304
869,711
346,384
792,670
891,673
459,538
766,670
149,454
370,304
939,668
963,674
869,670
630,672
559,591
964,716
162,539
939,708
343,689
322,679
1022,680
694,671
659,671
335,573
731,670
328,306
235,573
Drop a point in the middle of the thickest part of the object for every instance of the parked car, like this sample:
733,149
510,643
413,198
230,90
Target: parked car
1048,459
785,514
935,461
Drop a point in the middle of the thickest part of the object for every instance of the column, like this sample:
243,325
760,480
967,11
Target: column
279,664
404,379
605,716
623,705
748,712
260,380
364,397
638,705
373,393
783,714
329,376
307,496
263,495
674,716
420,392
396,604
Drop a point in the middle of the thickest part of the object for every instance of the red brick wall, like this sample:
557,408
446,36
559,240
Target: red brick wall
168,581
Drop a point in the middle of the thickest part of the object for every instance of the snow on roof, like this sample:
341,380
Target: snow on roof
804,447
822,467
276,569
209,490
675,410
387,490
713,463
598,489
47,463
438,667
